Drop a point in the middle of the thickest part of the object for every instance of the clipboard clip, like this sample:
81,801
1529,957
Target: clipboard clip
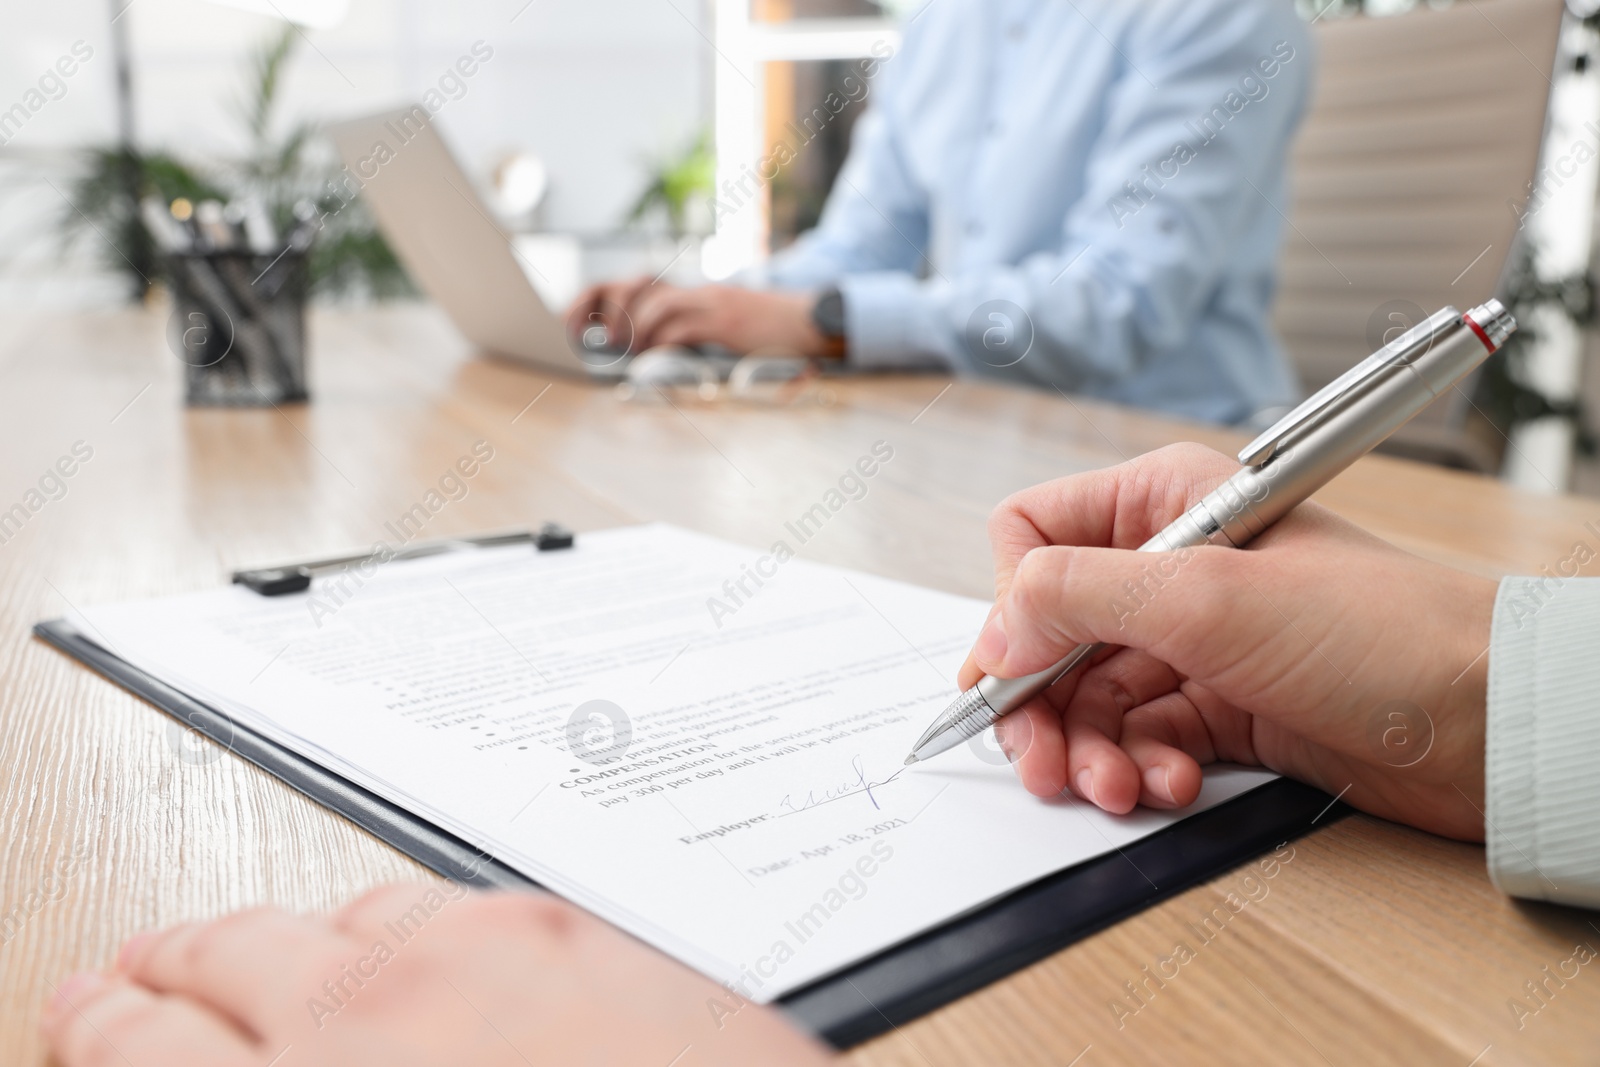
296,577
1332,397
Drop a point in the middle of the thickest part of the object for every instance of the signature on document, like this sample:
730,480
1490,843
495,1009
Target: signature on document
858,782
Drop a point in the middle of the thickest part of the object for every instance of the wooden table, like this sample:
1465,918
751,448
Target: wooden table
1376,944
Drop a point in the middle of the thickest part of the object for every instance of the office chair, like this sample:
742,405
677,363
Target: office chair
1423,133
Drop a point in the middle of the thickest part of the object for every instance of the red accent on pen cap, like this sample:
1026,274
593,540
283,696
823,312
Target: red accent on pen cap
1492,323
1490,345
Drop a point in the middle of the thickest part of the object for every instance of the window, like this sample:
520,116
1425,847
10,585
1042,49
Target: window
776,63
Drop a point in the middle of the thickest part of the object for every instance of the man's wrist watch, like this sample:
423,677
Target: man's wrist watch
827,315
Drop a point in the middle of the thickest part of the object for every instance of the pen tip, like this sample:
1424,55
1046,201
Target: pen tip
909,761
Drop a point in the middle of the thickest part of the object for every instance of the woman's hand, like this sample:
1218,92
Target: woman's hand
409,975
1321,652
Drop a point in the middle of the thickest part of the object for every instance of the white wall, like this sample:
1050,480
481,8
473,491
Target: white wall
599,88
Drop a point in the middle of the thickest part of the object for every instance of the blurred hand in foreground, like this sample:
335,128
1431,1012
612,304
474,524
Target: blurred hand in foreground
409,975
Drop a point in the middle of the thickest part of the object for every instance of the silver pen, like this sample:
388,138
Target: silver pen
1305,450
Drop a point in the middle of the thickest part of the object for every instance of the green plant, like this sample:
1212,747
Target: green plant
101,204
676,183
271,161
350,255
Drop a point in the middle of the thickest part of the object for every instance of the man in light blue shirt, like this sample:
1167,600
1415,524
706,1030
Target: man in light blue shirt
1080,194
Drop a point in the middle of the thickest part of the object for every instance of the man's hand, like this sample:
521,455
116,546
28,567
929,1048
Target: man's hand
1320,652
641,314
409,975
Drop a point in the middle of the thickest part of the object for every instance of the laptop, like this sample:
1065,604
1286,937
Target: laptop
452,246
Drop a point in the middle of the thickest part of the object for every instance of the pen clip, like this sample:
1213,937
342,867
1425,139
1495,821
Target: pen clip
1325,401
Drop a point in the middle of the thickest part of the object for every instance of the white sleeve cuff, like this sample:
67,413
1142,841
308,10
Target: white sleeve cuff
1542,757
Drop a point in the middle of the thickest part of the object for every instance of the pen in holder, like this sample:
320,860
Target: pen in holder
239,299
239,326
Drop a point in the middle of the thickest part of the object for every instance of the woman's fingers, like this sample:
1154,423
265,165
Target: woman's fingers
1034,737
1098,768
397,913
1070,739
100,1019
1128,734
1034,741
1167,740
219,964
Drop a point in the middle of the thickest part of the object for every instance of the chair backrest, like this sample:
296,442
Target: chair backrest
1423,134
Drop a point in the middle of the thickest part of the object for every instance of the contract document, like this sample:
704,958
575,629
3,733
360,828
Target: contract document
700,742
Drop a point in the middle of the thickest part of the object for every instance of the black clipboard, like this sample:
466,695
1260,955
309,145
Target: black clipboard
883,991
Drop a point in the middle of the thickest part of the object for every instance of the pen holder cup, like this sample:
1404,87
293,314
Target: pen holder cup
239,326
